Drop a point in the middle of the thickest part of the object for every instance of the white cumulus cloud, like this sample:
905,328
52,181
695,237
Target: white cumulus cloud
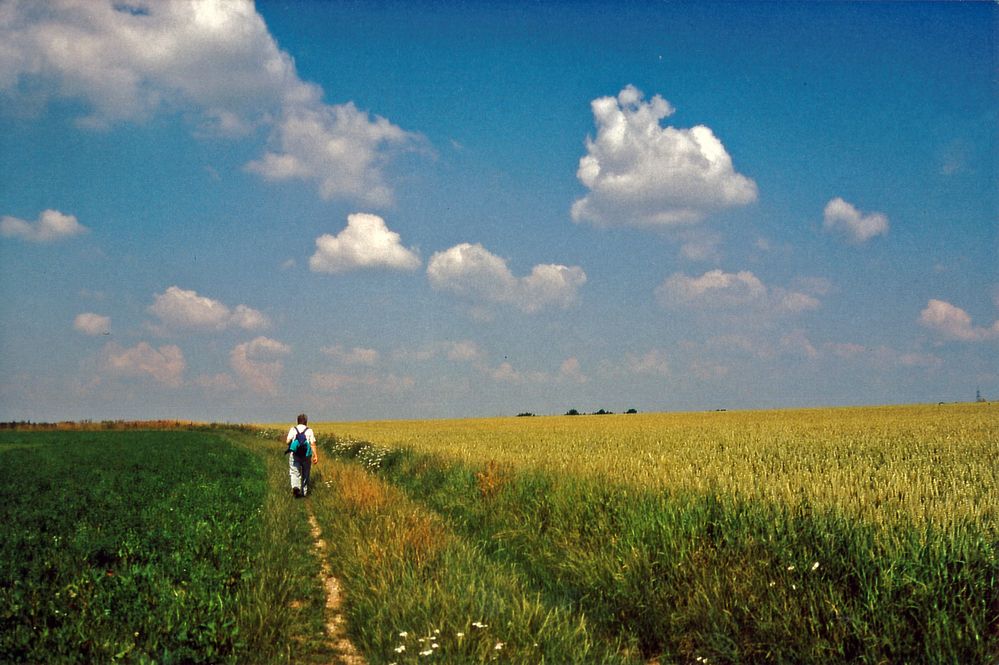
639,173
952,322
89,323
165,364
258,363
366,242
842,217
181,309
213,61
50,226
474,273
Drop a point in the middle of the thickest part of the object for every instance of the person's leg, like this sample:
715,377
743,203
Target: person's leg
295,473
306,472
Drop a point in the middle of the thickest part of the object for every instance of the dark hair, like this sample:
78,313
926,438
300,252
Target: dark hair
303,419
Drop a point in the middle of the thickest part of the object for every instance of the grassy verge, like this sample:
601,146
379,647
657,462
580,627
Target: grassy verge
416,591
690,576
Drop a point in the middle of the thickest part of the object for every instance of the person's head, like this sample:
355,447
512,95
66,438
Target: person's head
303,419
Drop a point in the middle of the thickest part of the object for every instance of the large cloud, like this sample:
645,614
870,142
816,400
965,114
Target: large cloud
258,363
366,243
180,309
165,365
641,174
128,61
474,273
50,226
952,322
214,61
743,291
842,217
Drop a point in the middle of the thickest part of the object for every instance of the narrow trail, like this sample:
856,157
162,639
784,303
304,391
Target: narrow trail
336,627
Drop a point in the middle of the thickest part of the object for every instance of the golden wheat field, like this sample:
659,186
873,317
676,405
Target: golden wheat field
928,464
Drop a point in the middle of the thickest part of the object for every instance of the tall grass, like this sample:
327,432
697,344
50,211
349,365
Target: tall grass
418,591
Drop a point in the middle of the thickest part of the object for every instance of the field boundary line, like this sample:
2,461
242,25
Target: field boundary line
336,627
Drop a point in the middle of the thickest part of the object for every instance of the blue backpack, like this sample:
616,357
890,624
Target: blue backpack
299,446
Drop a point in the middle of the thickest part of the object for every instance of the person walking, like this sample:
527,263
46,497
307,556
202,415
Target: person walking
302,454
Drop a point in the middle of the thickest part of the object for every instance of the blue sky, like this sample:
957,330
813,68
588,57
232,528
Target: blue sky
237,212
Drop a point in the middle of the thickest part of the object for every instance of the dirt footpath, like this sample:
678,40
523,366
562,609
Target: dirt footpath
336,628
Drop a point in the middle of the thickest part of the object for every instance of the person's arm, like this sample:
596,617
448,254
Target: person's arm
315,448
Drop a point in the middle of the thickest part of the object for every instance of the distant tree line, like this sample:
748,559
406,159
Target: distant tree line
576,412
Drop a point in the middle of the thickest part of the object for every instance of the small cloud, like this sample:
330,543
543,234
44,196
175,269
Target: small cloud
463,351
639,173
165,365
216,383
654,362
355,356
882,356
472,272
181,309
366,242
952,322
842,217
505,373
50,226
846,350
258,363
699,245
370,383
289,264
89,323
720,290
571,371
797,343
340,147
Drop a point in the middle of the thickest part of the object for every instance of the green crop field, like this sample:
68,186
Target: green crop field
150,546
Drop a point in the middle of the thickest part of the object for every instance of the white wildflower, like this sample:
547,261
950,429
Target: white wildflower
815,565
461,635
499,645
791,567
426,652
400,648
404,633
